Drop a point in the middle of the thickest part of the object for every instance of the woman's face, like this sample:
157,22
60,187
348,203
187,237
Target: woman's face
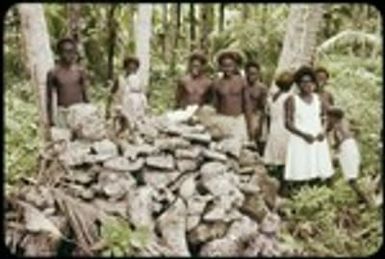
306,84
228,66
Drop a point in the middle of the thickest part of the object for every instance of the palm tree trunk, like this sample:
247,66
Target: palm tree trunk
300,40
192,27
111,25
221,17
143,31
39,55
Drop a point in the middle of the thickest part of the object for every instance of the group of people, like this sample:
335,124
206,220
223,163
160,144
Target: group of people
292,127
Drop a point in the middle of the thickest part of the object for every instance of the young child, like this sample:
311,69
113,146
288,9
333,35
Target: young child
258,96
66,84
347,149
275,152
129,100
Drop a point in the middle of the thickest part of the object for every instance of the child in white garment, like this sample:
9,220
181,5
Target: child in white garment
347,149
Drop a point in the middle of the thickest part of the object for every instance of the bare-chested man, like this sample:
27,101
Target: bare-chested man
195,87
258,98
67,82
231,96
322,79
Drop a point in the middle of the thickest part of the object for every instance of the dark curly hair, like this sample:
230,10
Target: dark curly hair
304,71
197,55
335,112
234,55
252,64
131,59
284,80
62,41
322,70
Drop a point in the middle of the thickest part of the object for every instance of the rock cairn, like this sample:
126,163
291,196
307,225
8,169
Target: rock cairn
197,192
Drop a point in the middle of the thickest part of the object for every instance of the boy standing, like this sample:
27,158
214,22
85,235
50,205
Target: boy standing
66,82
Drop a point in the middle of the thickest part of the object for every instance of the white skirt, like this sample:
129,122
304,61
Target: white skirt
275,151
232,126
349,158
306,161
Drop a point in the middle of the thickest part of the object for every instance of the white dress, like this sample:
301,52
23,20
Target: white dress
306,161
133,99
275,152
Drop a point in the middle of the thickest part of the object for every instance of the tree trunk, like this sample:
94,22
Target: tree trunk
111,25
300,39
39,55
74,21
207,15
192,27
221,17
175,17
178,23
143,30
131,25
73,14
165,48
246,8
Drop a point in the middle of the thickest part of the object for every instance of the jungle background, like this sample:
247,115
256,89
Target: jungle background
347,41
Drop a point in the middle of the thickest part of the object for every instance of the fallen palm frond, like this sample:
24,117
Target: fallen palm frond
350,37
82,219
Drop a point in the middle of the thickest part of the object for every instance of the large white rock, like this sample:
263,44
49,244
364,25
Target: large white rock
140,206
86,121
172,226
165,162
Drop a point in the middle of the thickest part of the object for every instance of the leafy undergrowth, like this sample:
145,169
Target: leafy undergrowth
323,221
121,239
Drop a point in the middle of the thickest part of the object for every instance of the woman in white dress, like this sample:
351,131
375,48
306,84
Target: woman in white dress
308,155
275,152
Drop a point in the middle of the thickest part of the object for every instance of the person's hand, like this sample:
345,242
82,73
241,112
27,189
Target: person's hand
108,114
335,161
320,137
309,138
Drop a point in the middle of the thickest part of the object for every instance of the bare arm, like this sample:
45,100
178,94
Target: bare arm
84,83
215,97
114,89
50,91
263,105
209,94
247,110
331,99
324,122
289,121
179,94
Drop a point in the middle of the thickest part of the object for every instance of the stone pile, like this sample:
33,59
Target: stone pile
197,195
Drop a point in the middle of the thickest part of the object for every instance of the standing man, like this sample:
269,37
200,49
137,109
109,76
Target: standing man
231,97
258,99
195,87
66,83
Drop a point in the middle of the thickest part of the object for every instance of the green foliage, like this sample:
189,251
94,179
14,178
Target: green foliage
21,134
121,240
329,222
